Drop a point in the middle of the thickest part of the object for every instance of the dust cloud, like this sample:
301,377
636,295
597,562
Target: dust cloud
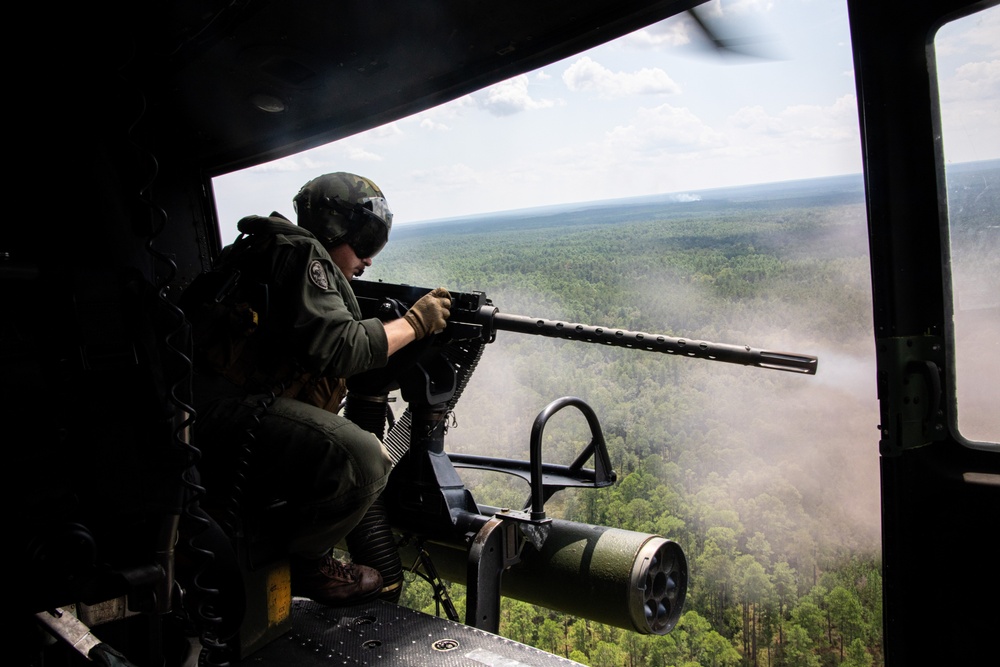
811,441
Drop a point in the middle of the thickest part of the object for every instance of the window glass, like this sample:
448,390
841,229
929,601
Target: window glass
968,71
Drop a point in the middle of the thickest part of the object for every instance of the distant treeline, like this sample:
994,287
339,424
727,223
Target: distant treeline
768,480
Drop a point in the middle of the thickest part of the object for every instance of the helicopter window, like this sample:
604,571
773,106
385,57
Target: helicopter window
659,114
738,216
966,55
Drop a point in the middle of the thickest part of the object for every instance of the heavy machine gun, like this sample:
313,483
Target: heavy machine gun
632,580
474,317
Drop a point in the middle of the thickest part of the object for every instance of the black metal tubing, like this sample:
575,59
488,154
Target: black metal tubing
682,347
597,447
545,479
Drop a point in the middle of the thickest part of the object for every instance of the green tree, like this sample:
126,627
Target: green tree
579,636
714,650
807,615
857,656
551,637
798,650
635,647
606,654
716,569
698,457
753,589
517,621
846,614
785,591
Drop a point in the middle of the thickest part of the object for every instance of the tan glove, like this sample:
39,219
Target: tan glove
430,313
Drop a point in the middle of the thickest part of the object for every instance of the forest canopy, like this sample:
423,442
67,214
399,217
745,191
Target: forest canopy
767,480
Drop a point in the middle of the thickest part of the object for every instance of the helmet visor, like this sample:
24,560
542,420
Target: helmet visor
368,240
369,222
379,207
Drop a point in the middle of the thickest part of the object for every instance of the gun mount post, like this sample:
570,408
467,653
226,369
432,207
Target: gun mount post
494,549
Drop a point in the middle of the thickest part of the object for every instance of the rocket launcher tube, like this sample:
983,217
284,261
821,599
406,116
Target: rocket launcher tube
628,579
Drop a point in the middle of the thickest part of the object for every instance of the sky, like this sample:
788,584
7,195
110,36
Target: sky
654,112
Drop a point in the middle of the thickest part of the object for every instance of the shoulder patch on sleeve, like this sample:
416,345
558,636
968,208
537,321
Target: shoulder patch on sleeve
317,275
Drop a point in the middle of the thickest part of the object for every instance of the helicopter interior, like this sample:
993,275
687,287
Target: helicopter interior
146,104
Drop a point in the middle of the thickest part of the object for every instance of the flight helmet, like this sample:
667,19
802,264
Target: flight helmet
345,208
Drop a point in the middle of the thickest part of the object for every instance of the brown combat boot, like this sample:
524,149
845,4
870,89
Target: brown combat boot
334,583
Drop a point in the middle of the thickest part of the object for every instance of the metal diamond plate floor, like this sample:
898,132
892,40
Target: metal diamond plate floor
380,633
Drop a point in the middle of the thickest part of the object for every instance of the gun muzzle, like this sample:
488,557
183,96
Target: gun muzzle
636,581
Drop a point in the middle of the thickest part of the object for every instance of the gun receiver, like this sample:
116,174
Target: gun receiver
473,316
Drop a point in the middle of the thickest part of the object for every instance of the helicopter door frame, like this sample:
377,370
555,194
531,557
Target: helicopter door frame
940,497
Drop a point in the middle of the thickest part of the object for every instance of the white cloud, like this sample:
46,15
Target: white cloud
362,146
442,117
362,155
969,101
671,32
737,7
588,76
509,97
383,132
801,122
757,120
665,129
681,29
982,36
446,177
975,80
976,33
432,125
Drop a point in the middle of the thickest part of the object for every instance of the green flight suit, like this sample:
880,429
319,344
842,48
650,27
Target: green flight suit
303,341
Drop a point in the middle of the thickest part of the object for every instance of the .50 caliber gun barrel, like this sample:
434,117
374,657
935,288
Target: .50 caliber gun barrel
473,315
734,354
